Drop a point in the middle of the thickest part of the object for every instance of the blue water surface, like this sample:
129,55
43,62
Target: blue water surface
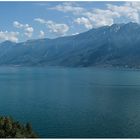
73,102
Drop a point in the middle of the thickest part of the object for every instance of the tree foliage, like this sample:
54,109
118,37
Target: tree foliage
10,128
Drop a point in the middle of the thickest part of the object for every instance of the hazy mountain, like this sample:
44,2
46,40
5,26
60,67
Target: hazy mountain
116,45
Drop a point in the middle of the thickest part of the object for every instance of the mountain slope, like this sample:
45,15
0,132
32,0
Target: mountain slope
116,45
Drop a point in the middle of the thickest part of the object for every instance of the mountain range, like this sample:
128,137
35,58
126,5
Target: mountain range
117,45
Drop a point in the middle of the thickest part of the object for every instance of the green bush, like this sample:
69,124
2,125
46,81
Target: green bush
13,129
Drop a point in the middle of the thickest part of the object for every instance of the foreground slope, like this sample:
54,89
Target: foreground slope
13,129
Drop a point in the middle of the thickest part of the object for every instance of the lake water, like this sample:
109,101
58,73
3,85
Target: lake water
73,102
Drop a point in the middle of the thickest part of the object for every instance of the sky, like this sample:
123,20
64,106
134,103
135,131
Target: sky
21,21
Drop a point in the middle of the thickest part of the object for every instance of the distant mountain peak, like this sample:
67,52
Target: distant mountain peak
116,45
132,23
115,27
7,43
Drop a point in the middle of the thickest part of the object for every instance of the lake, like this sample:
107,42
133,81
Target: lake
73,102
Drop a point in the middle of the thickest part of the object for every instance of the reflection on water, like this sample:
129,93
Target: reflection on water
73,102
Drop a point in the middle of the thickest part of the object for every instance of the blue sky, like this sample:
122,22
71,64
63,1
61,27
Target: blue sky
20,21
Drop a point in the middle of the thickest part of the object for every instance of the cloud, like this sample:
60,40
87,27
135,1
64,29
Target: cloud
12,36
59,29
75,33
85,21
42,3
89,18
56,28
42,34
97,17
18,25
68,7
134,4
28,30
129,11
42,21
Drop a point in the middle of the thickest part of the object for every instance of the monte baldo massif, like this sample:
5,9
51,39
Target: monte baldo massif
117,45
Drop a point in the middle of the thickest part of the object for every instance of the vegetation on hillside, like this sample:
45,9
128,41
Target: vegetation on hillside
10,128
116,46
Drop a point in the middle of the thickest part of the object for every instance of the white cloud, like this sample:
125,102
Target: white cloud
99,17
89,18
59,29
85,21
134,4
42,21
12,36
28,30
18,25
42,34
68,7
129,11
75,33
56,28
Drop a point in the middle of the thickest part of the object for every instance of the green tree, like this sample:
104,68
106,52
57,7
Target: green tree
29,127
13,129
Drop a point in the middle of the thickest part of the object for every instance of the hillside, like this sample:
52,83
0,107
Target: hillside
117,45
10,128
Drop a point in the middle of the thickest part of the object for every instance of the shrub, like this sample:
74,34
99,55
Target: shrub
13,129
